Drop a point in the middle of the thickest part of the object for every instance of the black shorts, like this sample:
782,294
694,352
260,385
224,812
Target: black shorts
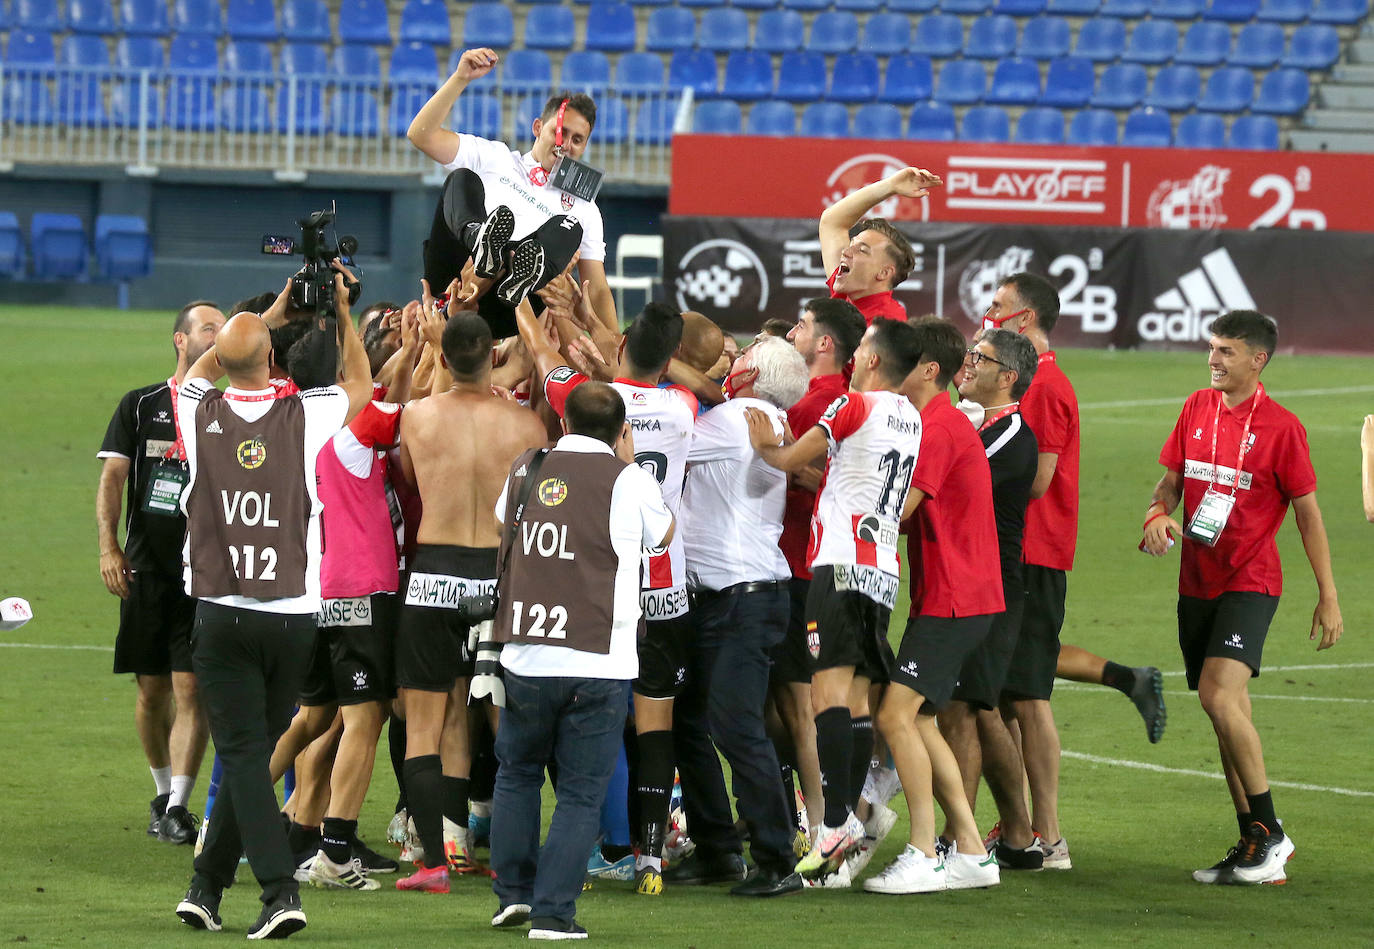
1231,626
154,636
933,650
846,628
1031,675
663,657
431,641
352,660
985,670
791,660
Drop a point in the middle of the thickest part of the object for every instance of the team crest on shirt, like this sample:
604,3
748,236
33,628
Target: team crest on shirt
639,398
566,200
813,641
252,453
552,492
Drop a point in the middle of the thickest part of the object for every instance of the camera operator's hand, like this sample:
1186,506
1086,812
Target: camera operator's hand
275,315
341,294
476,63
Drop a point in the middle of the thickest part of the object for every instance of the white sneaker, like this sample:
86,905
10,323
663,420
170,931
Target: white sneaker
344,876
396,830
1264,857
1056,854
968,872
412,851
911,872
880,822
832,845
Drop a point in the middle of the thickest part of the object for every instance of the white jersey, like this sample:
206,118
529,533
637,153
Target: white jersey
505,176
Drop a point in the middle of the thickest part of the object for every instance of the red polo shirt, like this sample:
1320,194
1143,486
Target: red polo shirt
1051,409
951,543
796,517
1276,469
875,306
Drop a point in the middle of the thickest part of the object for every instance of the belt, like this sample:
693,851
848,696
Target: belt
740,589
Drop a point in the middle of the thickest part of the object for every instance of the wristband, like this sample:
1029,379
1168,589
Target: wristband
1156,517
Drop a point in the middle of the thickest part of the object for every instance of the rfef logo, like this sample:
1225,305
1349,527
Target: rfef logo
1190,204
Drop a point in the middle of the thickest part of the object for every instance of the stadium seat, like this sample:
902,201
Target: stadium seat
670,29
1313,46
1258,46
354,113
742,4
1045,37
58,245
1175,88
779,31
771,117
985,123
32,51
425,21
79,101
1231,11
1152,42
526,109
859,6
1015,82
585,71
1340,12
717,117
1254,132
612,120
694,69
1200,130
639,73
198,17
1040,126
90,16
37,15
28,101
357,63
1177,9
364,21
1282,92
198,54
305,21
878,120
414,64
487,24
807,6
1102,41
991,37
962,82
243,107
1125,9
406,102
748,75
1228,89
1069,82
252,20
1073,7
854,78
834,31
1284,11
1121,86
189,104
801,77
134,103
689,3
911,6
303,59
886,34
1205,44
249,56
825,120
610,27
932,122
478,112
654,121
11,245
143,17
526,70
1019,7
138,52
1093,127
1147,128
907,79
938,36
305,112
965,7
723,29
81,50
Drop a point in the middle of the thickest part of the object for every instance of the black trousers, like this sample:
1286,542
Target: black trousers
250,666
462,202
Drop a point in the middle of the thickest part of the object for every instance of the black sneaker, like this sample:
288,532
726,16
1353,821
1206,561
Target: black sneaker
279,918
698,870
199,909
156,808
372,861
526,265
1148,696
178,826
1220,872
1013,858
490,243
550,927
1263,858
512,916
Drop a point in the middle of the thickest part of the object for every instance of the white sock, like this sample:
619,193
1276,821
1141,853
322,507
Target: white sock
181,790
162,778
654,863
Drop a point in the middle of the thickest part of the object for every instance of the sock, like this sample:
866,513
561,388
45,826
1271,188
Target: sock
456,800
1244,820
1262,810
862,730
396,742
614,852
162,779
181,790
644,861
835,747
337,839
615,806
425,796
655,789
302,840
789,786
1121,678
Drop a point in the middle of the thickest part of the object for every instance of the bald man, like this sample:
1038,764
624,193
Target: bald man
252,556
701,347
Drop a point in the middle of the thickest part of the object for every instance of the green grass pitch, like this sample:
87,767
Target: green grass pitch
74,786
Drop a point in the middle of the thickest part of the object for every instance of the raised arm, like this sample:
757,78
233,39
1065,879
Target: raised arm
356,375
546,357
837,219
1327,615
599,295
427,132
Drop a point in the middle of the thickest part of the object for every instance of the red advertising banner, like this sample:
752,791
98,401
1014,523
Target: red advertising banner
752,176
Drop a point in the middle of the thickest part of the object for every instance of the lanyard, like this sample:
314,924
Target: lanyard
539,175
1006,410
1243,449
177,451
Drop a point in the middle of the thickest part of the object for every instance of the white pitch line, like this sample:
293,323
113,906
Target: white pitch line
55,646
1184,692
1210,775
1290,394
1314,667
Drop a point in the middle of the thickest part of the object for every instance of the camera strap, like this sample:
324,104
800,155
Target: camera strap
526,488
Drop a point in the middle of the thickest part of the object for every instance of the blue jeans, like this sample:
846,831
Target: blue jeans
576,724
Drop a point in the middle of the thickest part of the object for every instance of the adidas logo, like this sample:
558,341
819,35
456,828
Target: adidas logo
1185,313
213,428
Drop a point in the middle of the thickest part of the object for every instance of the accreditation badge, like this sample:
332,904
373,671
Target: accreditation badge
165,484
1210,517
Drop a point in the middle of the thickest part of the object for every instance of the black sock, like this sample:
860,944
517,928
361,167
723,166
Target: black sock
862,730
1262,811
789,786
614,852
396,740
302,839
1244,820
337,839
425,793
456,800
835,747
1121,678
654,788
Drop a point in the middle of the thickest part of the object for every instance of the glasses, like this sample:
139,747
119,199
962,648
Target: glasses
975,357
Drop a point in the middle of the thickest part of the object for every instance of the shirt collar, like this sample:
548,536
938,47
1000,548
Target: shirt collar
873,303
827,381
583,444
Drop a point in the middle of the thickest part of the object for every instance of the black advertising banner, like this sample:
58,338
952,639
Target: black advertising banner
1118,287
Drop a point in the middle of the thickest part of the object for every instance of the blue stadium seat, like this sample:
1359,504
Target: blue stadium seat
854,78
771,117
526,109
28,101
407,101
80,101
11,245
671,28
526,71
306,111
1040,126
639,73
962,82
243,107
37,15
1015,82
689,3
81,50
1258,46
801,76
138,52
834,31
1284,11
742,4
1200,130
1254,132
303,59
1340,12
878,120
32,50
1073,7
190,104
1125,9
1019,7
717,117
1177,9
143,17
612,120
1175,88
1152,42
1313,46
1147,128
911,6
806,6
991,37
1121,86
357,63
478,112
198,54
938,36
1102,41
354,113
985,123
694,69
1045,37
413,64
779,31
425,21
364,21
932,122
585,71
825,120
201,17
1069,82
654,121
58,245
1228,89
132,103
907,79
748,75
859,6
965,7
305,21
723,29
1206,43
248,56
1093,127
886,34
252,20
610,27
487,24
1231,11
1283,92
90,16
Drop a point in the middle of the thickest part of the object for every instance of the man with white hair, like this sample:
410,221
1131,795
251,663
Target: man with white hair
738,580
